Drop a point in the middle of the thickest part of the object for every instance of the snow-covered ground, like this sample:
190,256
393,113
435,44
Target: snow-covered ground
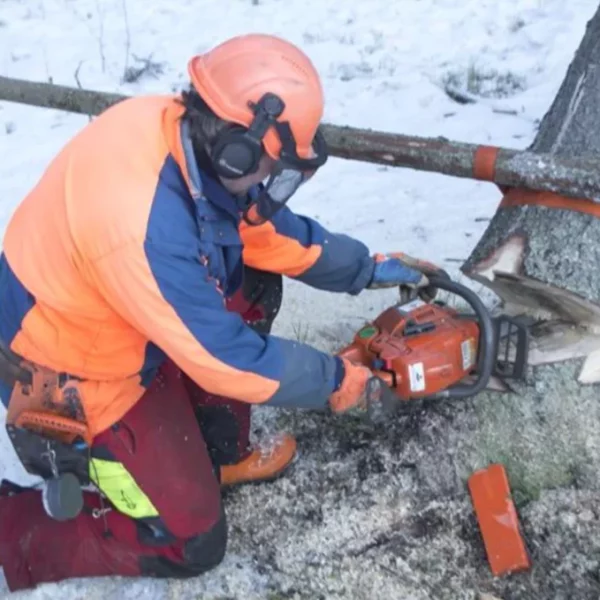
383,65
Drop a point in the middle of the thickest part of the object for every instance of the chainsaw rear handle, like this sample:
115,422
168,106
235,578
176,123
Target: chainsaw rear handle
487,339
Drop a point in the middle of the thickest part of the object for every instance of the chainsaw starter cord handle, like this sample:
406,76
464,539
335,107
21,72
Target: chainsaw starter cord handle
487,339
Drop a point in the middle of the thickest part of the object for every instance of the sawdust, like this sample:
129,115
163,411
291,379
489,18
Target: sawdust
384,512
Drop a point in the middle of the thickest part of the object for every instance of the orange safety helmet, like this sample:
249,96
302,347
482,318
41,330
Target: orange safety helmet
250,71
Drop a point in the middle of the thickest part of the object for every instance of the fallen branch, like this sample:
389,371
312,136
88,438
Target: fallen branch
575,177
460,96
59,97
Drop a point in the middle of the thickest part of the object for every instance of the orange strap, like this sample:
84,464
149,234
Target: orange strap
521,197
484,163
484,169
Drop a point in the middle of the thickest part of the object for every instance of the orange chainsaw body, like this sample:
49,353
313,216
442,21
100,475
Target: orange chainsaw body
417,351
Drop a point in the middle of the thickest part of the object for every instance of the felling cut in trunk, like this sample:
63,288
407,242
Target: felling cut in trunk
541,251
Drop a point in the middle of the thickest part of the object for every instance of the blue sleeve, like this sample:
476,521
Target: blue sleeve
222,349
343,264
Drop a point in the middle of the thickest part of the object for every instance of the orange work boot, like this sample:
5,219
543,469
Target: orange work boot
265,463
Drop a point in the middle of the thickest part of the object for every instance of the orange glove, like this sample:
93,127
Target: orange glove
352,391
361,389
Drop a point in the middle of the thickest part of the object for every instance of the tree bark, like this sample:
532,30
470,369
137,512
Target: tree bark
59,97
540,252
573,175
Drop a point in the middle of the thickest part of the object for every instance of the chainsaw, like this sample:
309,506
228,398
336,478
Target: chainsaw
430,350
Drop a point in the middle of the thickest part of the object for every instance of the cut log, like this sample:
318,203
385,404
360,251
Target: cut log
574,175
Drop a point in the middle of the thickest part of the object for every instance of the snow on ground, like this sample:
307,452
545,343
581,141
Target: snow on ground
383,66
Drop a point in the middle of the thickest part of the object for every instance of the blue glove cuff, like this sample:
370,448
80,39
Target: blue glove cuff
393,271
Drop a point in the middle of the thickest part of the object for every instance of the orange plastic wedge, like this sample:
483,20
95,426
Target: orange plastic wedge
498,520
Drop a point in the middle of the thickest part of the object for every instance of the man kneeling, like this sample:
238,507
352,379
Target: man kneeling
145,270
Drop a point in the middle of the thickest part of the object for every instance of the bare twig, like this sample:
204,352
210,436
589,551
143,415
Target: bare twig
76,75
127,35
460,96
101,36
45,53
505,111
148,67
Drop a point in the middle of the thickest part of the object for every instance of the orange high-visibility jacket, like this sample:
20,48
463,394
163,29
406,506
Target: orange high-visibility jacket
125,251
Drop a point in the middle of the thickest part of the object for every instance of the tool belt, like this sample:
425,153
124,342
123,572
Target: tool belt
45,420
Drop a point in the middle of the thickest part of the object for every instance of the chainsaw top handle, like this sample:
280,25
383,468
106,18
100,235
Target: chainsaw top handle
487,339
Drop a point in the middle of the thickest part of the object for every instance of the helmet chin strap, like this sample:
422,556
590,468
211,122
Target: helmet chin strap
243,201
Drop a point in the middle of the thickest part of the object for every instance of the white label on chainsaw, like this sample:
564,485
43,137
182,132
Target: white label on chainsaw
416,374
410,306
467,349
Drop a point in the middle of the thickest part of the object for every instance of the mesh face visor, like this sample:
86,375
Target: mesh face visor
290,172
275,193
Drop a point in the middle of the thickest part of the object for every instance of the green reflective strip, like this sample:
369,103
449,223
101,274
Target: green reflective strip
113,480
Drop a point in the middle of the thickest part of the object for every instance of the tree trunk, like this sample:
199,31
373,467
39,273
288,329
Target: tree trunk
384,512
540,253
541,256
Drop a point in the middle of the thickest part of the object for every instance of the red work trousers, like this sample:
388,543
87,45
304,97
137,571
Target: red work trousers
171,443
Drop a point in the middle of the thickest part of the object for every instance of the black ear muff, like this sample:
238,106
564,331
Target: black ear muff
236,154
237,151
